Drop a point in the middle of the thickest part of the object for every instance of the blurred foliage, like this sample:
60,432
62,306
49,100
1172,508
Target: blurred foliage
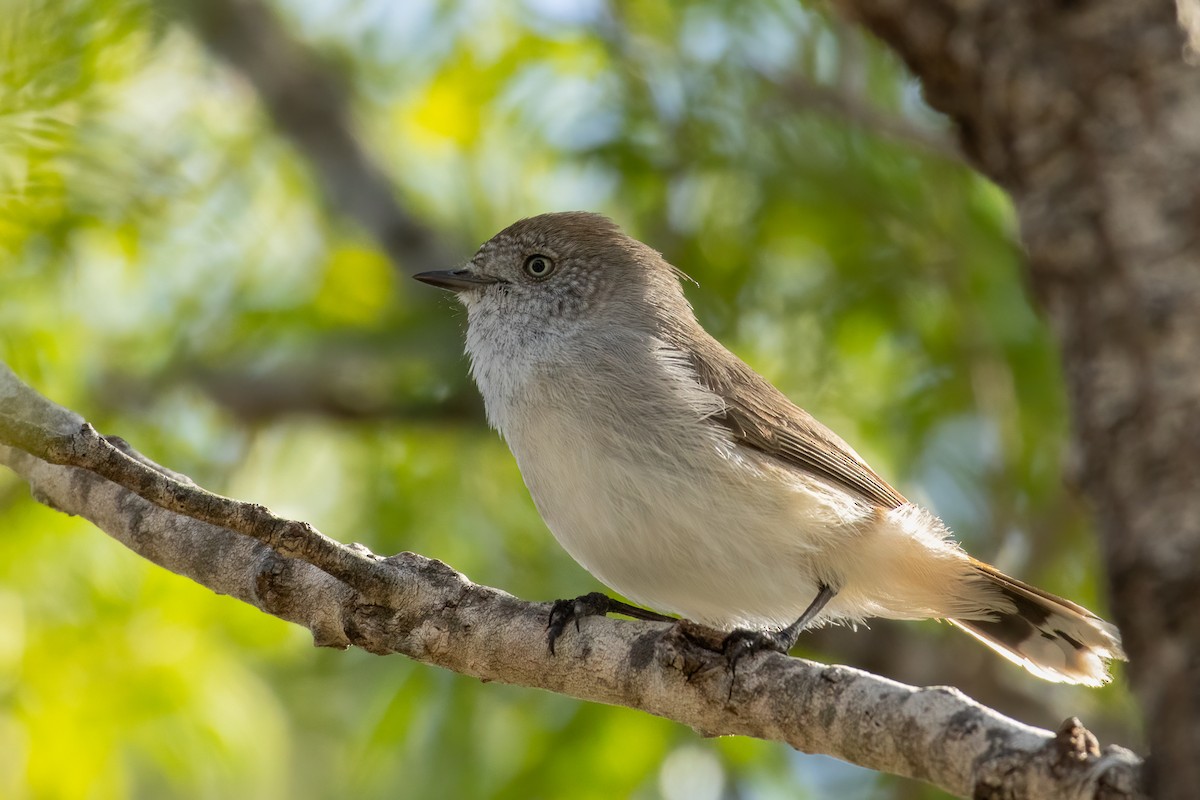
168,269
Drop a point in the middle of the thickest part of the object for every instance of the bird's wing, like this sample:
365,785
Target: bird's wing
761,417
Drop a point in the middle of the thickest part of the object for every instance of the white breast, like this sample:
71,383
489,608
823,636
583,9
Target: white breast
651,498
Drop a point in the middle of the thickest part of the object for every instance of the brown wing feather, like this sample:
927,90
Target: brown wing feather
760,416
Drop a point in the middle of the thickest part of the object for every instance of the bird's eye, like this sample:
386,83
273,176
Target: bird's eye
538,266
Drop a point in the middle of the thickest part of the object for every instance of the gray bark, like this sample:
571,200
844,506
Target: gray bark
1089,115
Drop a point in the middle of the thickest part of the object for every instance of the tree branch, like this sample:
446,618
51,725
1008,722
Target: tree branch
58,436
307,101
421,608
320,385
844,104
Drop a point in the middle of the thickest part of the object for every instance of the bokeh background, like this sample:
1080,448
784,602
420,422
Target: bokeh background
177,264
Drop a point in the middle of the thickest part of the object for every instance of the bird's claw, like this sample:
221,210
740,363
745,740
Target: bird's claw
593,604
564,612
743,642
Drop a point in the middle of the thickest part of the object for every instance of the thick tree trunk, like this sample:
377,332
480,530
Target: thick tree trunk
1089,115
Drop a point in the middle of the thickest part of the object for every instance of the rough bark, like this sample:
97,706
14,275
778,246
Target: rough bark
1088,114
408,604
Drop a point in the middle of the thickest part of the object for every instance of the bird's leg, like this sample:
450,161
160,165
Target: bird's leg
743,642
595,604
788,636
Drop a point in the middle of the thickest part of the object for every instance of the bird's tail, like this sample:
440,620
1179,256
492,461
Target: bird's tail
1051,637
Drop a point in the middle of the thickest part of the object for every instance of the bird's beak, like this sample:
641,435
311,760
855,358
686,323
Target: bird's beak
455,279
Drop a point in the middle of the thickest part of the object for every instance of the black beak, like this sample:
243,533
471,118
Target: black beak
455,279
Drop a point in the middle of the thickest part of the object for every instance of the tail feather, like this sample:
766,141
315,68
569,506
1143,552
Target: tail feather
1051,637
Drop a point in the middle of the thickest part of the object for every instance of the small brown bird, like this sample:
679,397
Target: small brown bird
683,479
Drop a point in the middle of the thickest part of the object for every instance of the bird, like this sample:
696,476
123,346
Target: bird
685,481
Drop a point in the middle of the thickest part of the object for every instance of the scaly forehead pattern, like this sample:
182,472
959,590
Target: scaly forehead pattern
578,230
590,240
580,236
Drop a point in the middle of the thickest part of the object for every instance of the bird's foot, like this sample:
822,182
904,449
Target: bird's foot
594,604
744,642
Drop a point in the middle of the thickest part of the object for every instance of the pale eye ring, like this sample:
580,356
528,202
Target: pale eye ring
538,266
